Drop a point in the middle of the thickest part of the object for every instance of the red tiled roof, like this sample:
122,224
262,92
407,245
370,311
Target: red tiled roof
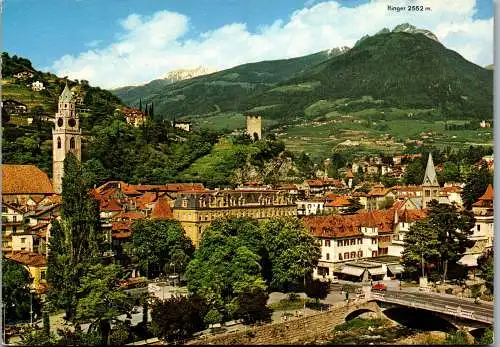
129,215
28,258
349,225
339,201
110,205
25,179
287,187
452,189
121,226
162,210
412,215
486,199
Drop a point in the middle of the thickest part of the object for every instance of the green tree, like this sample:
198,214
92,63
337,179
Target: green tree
292,252
16,282
453,228
450,173
486,338
226,260
75,240
212,317
38,337
354,207
102,299
414,173
317,289
420,248
178,318
158,243
486,269
477,182
94,173
251,305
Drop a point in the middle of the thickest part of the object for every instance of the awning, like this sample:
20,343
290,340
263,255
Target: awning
353,271
395,269
377,271
469,260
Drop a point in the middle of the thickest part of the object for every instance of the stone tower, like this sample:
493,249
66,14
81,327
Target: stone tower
66,137
254,127
430,186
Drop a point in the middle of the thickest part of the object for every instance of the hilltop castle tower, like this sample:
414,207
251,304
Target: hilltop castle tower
66,137
430,186
254,127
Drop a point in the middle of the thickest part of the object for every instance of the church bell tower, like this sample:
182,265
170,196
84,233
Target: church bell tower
66,137
430,185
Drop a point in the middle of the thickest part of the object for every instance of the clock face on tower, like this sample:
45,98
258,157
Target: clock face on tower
72,122
60,122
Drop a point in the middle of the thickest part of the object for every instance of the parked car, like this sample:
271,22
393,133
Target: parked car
334,279
379,286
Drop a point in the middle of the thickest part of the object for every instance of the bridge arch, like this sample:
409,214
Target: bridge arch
420,319
357,313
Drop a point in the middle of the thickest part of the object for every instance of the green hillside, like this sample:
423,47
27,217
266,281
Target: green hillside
221,91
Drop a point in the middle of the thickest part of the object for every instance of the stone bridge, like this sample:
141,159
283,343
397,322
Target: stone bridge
296,331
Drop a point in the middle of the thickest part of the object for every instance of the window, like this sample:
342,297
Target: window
4,209
360,254
427,193
346,255
14,219
327,243
374,254
23,239
339,243
327,256
374,241
42,275
340,256
353,242
479,227
360,241
58,142
14,229
353,255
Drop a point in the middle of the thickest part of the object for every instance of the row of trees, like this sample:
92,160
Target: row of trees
434,245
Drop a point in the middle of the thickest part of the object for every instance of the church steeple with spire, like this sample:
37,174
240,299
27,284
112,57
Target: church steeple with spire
66,136
430,185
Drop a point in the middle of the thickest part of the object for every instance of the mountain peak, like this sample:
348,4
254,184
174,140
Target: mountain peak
184,74
408,28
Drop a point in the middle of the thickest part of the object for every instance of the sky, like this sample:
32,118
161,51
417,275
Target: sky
114,43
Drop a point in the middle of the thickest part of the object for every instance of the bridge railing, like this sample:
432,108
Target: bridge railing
420,303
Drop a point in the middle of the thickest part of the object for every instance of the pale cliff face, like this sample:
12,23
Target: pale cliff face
184,74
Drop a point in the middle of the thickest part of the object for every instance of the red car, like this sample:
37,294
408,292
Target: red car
379,286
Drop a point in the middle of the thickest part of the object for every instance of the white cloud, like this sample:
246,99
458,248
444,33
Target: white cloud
148,47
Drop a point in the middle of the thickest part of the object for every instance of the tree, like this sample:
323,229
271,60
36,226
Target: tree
226,260
317,289
414,173
420,247
252,305
178,318
102,299
450,173
477,182
75,240
486,338
94,172
486,269
16,282
158,243
38,337
354,207
212,317
441,239
292,252
453,229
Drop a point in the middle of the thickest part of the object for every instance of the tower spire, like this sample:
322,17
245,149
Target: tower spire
430,177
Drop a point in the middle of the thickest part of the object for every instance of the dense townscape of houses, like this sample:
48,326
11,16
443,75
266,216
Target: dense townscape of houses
367,242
